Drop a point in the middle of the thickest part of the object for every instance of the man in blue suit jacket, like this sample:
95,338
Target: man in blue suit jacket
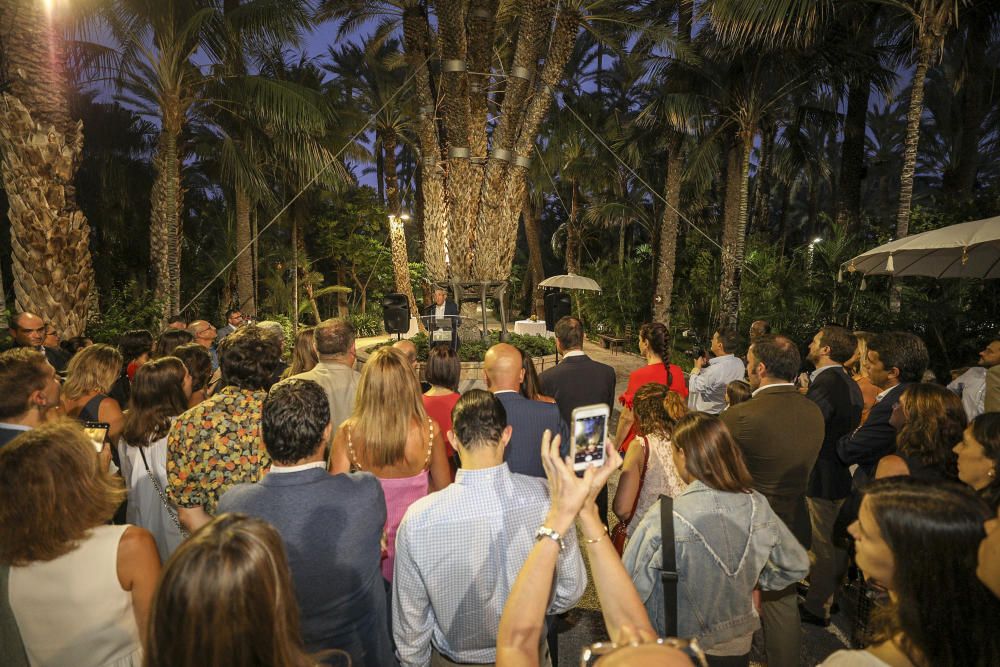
895,359
528,419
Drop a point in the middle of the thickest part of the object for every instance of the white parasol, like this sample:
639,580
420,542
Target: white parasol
965,250
571,281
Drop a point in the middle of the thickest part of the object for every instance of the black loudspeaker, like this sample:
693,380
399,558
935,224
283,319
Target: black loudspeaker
557,306
396,313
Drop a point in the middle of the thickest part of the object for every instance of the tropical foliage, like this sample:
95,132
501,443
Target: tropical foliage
706,161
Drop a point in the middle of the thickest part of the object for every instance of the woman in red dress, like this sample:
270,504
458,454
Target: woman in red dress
654,344
442,373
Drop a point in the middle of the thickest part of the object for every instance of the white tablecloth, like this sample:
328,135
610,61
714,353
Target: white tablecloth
532,328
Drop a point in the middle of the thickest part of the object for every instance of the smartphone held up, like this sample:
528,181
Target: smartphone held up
589,433
97,432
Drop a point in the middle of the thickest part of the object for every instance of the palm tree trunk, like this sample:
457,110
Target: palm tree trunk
532,233
41,148
416,37
734,234
244,262
164,235
573,231
397,233
760,216
852,154
912,139
666,256
295,273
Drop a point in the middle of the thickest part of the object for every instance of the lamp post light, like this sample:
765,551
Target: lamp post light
401,260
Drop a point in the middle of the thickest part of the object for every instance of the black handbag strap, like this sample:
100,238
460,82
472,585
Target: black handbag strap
668,570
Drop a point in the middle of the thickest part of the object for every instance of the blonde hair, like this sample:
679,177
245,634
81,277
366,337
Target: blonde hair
53,491
864,338
387,406
92,369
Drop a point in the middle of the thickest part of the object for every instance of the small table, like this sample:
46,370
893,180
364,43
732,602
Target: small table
532,328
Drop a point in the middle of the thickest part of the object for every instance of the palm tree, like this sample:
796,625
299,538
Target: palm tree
156,75
474,163
41,149
372,72
931,21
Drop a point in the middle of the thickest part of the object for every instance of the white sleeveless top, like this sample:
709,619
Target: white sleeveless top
661,476
72,611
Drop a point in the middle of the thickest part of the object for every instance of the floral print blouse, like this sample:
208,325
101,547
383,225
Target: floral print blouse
215,445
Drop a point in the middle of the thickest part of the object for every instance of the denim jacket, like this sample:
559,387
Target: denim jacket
726,543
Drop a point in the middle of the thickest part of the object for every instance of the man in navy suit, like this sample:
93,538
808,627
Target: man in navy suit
895,360
442,308
578,380
29,392
528,419
839,399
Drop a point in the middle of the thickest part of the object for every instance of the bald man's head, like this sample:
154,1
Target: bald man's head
408,348
503,369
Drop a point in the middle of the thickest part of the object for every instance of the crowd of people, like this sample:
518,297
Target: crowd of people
240,509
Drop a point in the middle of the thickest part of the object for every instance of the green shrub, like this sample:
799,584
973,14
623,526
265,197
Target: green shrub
126,307
366,325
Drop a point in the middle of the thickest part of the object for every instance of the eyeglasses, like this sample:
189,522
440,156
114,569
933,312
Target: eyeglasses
689,647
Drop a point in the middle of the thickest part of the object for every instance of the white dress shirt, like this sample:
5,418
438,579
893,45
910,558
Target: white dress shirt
708,387
971,386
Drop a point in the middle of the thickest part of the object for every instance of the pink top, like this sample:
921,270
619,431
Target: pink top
641,376
400,493
439,409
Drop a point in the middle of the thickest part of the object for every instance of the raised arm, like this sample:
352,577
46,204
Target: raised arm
523,616
624,613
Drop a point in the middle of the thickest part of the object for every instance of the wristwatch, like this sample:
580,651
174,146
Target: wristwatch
545,531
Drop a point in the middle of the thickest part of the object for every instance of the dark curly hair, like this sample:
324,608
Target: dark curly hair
935,420
945,615
657,409
248,358
903,351
294,416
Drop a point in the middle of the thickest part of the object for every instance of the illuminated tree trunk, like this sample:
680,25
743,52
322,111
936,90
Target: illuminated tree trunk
41,148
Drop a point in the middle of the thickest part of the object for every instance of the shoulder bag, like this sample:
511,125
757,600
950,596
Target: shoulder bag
620,532
668,570
163,497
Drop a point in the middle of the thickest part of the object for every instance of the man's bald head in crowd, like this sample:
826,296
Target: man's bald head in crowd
408,348
503,368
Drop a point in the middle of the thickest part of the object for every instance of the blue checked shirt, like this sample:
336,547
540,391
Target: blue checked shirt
458,552
708,388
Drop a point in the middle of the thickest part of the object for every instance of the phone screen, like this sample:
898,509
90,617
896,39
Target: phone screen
588,439
96,432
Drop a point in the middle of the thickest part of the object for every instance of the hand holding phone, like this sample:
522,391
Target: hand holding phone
588,435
